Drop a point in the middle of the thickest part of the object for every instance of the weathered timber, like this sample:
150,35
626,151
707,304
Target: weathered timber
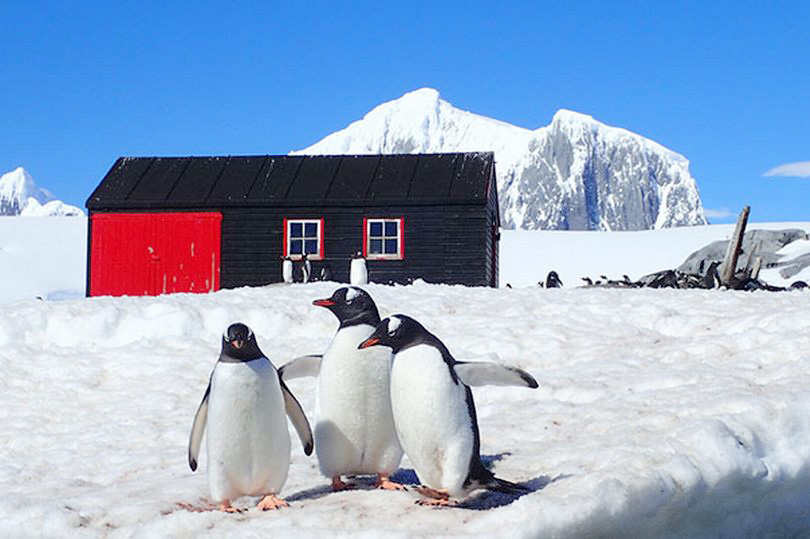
729,265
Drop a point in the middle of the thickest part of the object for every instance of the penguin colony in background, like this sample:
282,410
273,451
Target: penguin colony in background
384,387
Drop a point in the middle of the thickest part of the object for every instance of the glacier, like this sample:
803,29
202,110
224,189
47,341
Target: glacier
20,195
574,174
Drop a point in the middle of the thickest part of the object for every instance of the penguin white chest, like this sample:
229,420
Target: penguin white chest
432,418
358,272
354,432
247,437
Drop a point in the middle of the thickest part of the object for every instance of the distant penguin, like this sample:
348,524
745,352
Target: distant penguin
247,437
553,280
287,269
326,273
358,271
434,412
588,281
354,427
306,269
712,277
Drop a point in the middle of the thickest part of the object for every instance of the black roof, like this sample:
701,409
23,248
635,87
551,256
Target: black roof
294,180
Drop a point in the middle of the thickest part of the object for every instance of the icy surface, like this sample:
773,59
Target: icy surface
574,174
42,257
660,413
528,255
19,195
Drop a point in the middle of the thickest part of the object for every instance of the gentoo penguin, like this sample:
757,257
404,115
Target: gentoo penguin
287,269
248,442
306,269
553,280
326,273
354,426
434,412
358,272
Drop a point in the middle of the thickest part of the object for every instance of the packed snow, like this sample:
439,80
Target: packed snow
43,257
660,412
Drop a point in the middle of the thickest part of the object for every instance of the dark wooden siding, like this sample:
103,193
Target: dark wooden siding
448,244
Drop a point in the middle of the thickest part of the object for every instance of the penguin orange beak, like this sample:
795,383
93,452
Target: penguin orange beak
323,302
368,342
237,343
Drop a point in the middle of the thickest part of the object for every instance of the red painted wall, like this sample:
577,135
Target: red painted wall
147,254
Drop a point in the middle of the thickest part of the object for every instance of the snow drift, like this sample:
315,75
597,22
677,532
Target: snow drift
660,413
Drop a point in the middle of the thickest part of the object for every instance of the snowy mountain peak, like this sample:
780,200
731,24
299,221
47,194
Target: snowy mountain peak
565,116
19,195
574,174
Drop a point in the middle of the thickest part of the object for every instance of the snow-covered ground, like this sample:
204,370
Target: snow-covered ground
528,255
660,412
42,257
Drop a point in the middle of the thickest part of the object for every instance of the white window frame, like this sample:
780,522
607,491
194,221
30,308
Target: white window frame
288,238
400,254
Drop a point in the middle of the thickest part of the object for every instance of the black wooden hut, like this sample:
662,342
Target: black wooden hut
160,225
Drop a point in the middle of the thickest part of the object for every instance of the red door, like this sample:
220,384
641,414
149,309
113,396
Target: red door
146,254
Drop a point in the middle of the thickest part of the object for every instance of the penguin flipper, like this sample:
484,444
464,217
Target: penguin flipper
197,430
301,367
485,373
297,417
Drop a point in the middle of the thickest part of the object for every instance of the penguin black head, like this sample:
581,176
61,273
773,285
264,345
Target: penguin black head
399,332
239,344
553,280
352,306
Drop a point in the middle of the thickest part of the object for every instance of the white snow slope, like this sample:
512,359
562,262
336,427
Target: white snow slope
660,413
19,195
574,174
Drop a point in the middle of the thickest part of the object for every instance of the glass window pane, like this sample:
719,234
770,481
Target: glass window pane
295,247
376,228
391,246
295,230
311,230
375,247
391,228
311,246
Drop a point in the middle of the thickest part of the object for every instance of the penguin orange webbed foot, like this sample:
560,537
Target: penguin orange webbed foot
271,501
434,502
385,483
434,498
338,485
226,507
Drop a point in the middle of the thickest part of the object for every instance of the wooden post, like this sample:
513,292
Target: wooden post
756,268
734,247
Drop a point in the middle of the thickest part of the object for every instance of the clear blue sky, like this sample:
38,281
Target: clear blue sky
725,84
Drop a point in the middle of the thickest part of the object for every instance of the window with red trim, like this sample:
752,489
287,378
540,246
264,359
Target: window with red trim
383,238
303,236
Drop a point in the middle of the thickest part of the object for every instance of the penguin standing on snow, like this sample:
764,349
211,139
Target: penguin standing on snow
248,442
358,271
553,280
354,428
434,412
287,269
306,269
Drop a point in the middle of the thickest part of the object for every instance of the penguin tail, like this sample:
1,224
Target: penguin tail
507,487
